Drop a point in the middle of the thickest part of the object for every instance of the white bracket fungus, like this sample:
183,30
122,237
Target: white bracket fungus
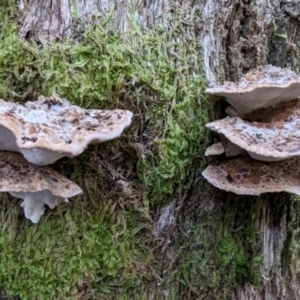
246,176
260,88
50,128
36,185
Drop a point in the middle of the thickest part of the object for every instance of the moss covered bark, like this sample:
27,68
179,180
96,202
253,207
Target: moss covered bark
100,245
147,226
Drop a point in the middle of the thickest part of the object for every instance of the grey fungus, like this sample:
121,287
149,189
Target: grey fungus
230,148
43,132
277,138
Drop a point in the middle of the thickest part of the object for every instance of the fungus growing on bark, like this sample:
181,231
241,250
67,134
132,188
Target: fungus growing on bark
276,139
246,176
50,128
260,88
230,148
265,122
214,149
36,185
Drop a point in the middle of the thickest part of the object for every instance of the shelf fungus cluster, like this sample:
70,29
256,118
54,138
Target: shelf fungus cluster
261,135
43,132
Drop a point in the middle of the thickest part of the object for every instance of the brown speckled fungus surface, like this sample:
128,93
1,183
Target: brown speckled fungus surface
265,123
50,128
259,88
246,176
36,185
277,139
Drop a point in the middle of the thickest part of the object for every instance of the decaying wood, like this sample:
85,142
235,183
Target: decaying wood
236,36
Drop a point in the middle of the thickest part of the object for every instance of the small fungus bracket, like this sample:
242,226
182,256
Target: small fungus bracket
36,185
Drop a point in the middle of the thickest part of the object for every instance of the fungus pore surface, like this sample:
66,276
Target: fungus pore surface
36,185
50,128
259,88
246,176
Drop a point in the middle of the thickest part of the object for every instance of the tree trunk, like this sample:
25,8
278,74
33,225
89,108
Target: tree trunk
59,19
236,36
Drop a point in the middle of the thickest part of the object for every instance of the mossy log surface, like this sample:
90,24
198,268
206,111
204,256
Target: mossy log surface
148,226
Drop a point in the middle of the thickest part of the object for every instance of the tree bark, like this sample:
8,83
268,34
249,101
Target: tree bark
236,36
239,36
59,19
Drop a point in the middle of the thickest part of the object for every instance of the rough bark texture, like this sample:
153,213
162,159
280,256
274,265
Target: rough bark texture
57,19
236,37
241,35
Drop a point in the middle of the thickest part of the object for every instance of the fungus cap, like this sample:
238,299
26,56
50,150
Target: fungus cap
259,88
230,148
276,139
245,176
36,185
214,149
50,128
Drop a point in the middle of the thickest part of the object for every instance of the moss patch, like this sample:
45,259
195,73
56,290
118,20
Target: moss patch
216,247
99,245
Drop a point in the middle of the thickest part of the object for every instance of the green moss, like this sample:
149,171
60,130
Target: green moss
220,249
99,245
63,255
291,251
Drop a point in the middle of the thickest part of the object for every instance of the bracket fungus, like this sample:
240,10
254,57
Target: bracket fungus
245,176
214,149
36,185
259,88
50,128
277,139
265,123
